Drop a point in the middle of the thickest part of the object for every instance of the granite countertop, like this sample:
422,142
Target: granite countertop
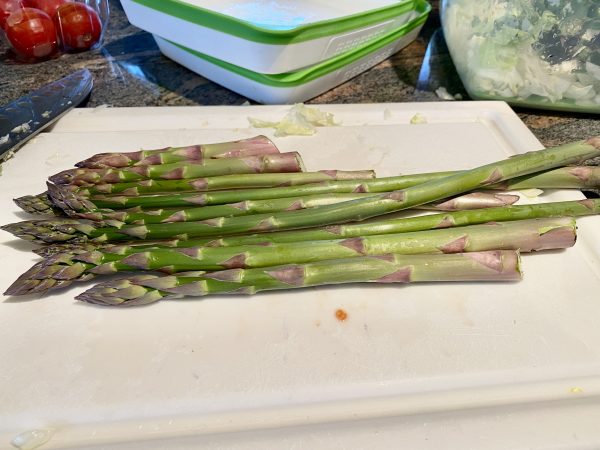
130,71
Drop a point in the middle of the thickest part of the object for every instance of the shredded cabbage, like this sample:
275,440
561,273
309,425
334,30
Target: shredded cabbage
533,52
300,120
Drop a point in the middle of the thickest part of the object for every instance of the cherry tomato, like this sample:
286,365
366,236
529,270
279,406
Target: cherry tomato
7,7
31,34
48,6
78,26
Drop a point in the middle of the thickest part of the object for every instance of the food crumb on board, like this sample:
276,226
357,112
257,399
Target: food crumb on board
531,193
417,119
300,120
575,390
101,107
443,93
32,439
23,128
341,315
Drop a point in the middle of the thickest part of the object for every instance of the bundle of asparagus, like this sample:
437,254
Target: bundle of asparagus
245,218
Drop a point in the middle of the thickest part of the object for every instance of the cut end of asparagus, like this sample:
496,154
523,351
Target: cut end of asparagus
506,265
281,162
594,142
258,145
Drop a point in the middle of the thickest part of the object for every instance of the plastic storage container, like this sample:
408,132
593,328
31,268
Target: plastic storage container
269,36
304,84
541,54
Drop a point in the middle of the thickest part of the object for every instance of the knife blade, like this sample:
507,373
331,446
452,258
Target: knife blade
27,116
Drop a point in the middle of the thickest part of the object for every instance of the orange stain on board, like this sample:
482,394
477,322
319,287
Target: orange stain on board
341,315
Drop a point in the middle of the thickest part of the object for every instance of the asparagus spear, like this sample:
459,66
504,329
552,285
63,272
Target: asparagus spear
163,223
392,201
77,206
387,268
59,270
78,231
574,177
236,181
140,216
278,162
571,177
382,226
359,209
258,145
68,199
403,199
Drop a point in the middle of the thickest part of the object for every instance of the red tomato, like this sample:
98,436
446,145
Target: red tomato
48,6
31,33
78,26
7,7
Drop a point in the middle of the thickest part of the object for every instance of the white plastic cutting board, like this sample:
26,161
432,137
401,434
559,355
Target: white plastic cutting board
453,366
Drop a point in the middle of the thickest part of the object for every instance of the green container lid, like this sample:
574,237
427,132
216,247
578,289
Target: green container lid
253,32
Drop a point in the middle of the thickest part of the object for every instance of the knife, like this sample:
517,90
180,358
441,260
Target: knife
27,116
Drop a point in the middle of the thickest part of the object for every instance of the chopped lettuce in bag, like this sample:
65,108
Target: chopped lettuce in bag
542,53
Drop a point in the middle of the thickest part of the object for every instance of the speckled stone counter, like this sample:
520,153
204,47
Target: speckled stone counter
130,71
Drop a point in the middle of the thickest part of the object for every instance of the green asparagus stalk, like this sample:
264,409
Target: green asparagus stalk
403,199
258,145
236,181
379,204
77,206
393,201
71,201
277,162
58,270
78,231
140,216
77,248
67,199
388,268
574,177
162,223
368,228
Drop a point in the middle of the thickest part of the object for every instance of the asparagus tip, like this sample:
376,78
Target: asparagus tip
49,274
